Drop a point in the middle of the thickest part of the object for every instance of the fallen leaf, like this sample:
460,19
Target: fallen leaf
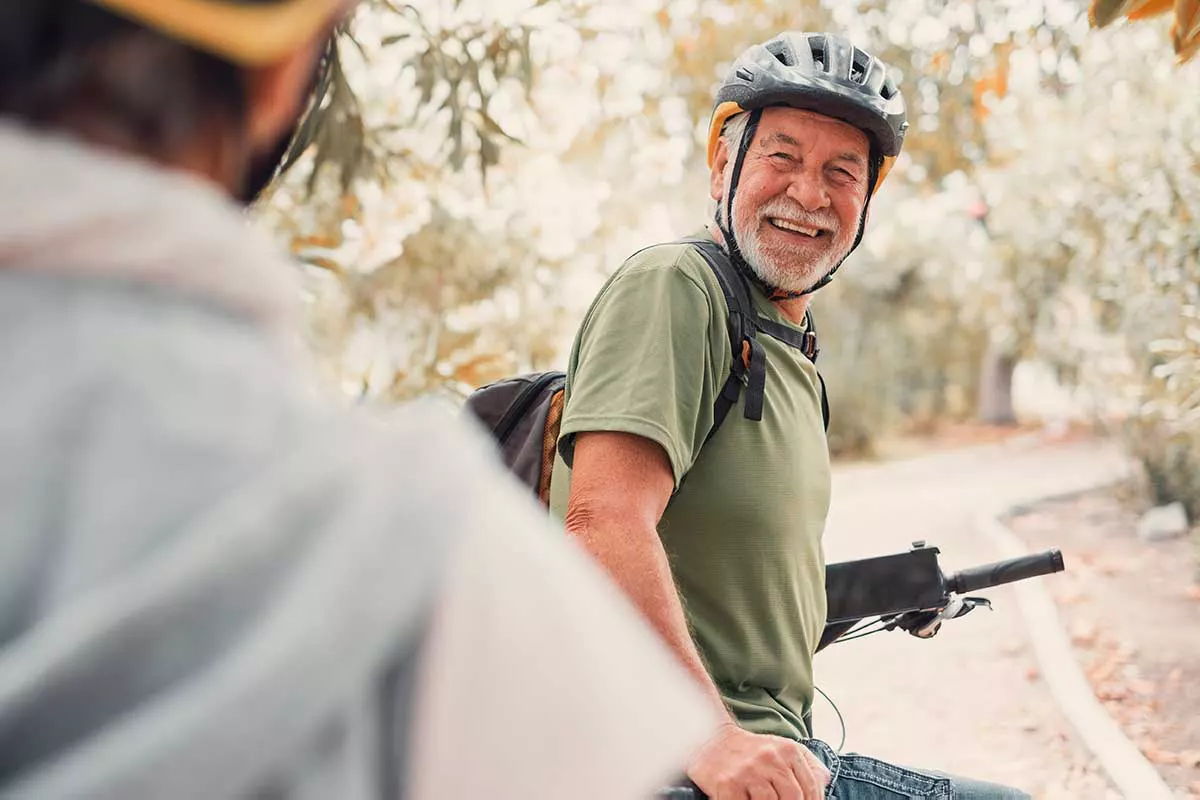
1084,634
1070,597
1156,755
1110,569
1104,668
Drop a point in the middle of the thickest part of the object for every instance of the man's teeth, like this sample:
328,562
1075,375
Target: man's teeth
792,226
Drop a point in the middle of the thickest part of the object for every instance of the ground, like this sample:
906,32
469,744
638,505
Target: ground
969,701
1133,610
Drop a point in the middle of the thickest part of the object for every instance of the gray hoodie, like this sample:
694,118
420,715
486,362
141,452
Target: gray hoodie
213,585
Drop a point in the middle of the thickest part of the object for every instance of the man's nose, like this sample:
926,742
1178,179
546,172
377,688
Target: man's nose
809,190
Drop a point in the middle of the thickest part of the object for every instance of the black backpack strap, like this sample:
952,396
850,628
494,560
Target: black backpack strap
805,341
743,323
824,402
742,327
811,349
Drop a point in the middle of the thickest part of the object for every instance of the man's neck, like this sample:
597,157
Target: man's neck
793,308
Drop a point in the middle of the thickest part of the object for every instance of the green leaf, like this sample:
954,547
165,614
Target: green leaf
526,61
489,152
491,126
1105,12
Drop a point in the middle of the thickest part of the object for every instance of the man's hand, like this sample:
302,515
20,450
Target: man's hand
737,764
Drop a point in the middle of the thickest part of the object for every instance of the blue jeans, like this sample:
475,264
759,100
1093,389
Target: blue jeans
855,777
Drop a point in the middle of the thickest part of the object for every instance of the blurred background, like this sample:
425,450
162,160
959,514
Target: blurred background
478,168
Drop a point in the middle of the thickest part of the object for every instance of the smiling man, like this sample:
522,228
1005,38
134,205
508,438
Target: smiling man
728,566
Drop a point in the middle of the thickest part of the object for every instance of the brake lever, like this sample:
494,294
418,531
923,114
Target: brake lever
926,624
965,605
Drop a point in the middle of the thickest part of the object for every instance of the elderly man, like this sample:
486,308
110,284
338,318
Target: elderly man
728,566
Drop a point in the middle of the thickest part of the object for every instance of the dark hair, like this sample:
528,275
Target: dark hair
72,65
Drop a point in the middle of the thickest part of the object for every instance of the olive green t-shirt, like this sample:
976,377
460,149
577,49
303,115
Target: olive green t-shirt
743,532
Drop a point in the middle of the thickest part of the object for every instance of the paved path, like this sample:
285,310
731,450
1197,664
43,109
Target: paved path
970,700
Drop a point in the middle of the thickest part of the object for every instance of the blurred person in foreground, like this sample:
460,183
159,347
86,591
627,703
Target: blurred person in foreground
210,585
729,565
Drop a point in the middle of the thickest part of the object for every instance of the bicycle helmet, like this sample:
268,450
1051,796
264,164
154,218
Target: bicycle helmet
819,72
249,33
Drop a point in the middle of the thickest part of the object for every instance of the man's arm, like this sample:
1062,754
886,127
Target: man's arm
620,485
524,620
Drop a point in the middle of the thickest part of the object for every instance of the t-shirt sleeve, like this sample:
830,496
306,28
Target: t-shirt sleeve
539,681
647,359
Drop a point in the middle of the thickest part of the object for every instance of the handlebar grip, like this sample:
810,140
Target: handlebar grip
1001,572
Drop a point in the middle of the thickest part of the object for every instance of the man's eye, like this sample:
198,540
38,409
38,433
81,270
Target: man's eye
845,173
781,156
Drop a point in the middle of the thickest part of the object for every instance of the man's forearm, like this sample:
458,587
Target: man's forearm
634,557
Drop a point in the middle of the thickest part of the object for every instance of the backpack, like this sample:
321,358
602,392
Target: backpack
523,413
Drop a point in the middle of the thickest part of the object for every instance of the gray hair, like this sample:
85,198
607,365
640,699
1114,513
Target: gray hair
731,133
734,129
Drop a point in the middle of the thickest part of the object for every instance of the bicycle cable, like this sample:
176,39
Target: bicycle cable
836,710
876,626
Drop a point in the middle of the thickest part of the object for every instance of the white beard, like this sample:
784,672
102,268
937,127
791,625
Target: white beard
789,272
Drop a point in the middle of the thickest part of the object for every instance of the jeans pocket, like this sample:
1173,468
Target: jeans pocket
855,777
829,758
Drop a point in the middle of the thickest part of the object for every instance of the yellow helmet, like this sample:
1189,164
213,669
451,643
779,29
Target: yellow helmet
249,33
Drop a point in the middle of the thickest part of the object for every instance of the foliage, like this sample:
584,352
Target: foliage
899,346
1165,436
477,169
1106,249
1185,28
430,263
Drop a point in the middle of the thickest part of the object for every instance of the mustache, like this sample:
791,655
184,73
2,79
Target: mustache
787,209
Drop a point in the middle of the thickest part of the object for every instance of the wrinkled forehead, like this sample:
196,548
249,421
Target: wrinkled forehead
801,125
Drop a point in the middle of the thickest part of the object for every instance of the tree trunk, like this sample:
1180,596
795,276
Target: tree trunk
995,387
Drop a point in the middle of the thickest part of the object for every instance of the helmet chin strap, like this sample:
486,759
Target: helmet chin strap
726,226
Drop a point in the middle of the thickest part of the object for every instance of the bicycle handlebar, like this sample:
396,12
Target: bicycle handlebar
1007,571
968,580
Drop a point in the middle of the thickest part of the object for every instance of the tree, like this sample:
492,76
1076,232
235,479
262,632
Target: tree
1112,221
478,169
419,202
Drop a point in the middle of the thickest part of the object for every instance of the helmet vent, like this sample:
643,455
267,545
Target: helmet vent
782,53
746,74
888,90
816,45
860,66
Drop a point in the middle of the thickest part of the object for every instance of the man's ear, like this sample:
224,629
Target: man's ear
277,93
716,178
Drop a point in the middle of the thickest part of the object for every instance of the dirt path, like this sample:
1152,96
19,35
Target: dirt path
1133,611
969,701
